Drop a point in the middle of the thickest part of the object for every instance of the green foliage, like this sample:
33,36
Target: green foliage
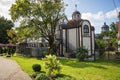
12,36
38,18
36,67
81,53
1,50
42,77
50,51
34,75
11,50
100,44
52,65
45,53
4,26
104,33
113,27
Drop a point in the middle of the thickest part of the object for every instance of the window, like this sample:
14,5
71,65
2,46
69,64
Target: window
86,29
78,16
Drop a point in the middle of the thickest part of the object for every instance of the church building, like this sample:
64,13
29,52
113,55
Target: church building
105,27
75,33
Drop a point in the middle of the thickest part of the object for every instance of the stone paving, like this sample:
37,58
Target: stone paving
10,70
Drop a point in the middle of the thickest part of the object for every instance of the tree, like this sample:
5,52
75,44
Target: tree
112,34
40,17
112,41
112,30
4,26
104,33
12,36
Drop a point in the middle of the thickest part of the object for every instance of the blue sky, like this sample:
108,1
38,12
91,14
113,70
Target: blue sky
96,11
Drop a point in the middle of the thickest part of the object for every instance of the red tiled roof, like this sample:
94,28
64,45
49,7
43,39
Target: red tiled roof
72,23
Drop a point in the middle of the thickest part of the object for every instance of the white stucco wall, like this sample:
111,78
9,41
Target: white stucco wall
72,39
87,39
64,43
86,44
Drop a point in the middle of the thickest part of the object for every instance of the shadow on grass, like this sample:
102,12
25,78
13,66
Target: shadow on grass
64,77
75,63
108,62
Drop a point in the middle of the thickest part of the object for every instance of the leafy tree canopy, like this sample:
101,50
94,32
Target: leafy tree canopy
4,26
38,17
111,34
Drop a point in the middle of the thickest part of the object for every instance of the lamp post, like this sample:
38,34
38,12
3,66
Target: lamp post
106,38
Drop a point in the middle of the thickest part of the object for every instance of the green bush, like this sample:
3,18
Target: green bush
81,53
11,50
45,53
36,67
52,65
42,77
1,50
34,75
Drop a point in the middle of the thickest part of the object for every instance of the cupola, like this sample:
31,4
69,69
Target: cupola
76,15
105,27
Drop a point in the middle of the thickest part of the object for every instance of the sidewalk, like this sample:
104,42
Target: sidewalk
10,70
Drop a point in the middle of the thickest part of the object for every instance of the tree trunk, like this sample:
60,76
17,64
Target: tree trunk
52,45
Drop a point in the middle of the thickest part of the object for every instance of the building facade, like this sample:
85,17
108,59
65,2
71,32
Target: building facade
75,33
105,27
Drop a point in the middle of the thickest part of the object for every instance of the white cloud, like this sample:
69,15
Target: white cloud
76,1
97,16
96,19
5,2
4,8
112,14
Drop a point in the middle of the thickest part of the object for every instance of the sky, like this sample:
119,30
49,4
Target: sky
96,11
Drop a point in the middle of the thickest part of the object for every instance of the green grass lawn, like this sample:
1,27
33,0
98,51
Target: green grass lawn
88,70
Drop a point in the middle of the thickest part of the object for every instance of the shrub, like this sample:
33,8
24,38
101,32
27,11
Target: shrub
11,50
81,53
36,67
1,50
52,64
35,74
42,77
45,53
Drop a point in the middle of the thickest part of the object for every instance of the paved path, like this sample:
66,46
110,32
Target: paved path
10,70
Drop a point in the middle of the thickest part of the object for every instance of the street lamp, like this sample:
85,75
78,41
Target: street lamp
106,38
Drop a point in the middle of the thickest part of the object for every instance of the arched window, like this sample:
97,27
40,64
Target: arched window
86,29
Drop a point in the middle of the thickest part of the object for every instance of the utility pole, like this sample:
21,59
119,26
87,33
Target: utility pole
119,16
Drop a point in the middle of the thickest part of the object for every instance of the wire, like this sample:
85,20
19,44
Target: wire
119,2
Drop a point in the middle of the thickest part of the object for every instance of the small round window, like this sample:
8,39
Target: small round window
86,29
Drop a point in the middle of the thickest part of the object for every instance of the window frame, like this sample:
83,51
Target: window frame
86,29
